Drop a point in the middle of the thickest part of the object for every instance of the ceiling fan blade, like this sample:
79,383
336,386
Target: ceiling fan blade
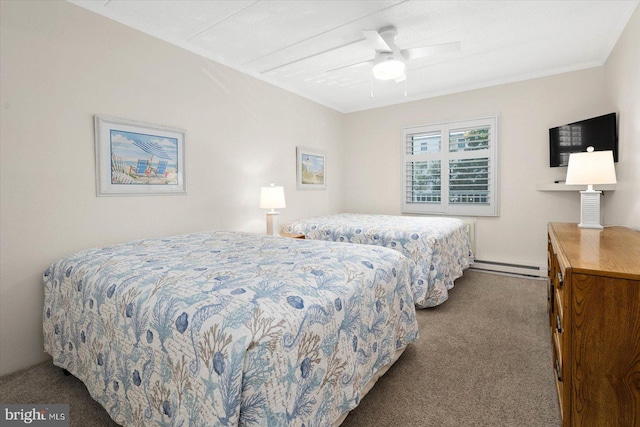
376,41
357,64
424,51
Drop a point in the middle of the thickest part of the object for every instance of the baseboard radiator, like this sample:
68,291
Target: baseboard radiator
504,267
499,267
470,223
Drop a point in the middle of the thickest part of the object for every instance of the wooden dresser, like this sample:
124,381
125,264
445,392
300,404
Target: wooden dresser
594,316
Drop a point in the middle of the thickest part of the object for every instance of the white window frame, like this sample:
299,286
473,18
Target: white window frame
444,207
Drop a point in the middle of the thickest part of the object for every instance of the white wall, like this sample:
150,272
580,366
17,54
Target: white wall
61,65
527,110
622,72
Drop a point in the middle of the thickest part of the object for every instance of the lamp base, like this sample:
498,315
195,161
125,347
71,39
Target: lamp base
272,223
590,209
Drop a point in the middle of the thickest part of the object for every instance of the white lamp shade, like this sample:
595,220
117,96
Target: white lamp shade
272,197
591,168
389,69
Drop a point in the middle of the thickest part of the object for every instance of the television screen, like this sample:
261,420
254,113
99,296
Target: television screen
598,132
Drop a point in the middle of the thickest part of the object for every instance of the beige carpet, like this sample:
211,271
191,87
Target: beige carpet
483,359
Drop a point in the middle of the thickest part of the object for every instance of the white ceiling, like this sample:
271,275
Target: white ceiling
293,44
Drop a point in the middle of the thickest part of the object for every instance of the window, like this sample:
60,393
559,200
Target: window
451,168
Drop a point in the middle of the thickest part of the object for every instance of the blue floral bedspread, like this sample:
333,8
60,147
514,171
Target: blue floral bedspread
226,328
439,248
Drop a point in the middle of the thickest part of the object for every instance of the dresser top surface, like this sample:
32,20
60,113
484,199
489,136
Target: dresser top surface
611,250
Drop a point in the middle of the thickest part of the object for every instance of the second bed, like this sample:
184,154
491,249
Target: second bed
438,248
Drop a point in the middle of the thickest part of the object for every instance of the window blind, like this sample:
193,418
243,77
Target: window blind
458,177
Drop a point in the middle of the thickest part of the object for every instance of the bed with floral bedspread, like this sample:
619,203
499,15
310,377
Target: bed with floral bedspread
227,328
439,248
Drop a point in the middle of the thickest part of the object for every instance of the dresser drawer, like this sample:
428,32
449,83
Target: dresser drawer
557,370
550,256
558,321
558,351
558,336
561,294
559,271
551,273
551,302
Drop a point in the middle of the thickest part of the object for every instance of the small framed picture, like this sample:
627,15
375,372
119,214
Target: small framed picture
135,158
311,169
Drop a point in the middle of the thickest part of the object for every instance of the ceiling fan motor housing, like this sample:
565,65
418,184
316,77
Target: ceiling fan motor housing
388,64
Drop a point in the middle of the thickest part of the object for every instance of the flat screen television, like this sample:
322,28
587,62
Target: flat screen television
599,132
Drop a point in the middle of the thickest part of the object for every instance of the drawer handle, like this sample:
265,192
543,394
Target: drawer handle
559,375
558,324
559,278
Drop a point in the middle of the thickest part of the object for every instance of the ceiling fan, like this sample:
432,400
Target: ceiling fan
390,61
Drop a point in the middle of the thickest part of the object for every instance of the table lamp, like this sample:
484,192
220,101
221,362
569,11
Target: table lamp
590,168
272,197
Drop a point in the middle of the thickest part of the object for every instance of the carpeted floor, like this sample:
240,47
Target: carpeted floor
483,359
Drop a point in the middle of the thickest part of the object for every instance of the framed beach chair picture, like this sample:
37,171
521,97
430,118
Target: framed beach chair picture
135,158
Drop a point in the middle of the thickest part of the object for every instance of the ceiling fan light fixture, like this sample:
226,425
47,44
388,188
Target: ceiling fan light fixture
389,69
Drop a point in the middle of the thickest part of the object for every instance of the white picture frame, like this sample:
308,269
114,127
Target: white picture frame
311,167
135,158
